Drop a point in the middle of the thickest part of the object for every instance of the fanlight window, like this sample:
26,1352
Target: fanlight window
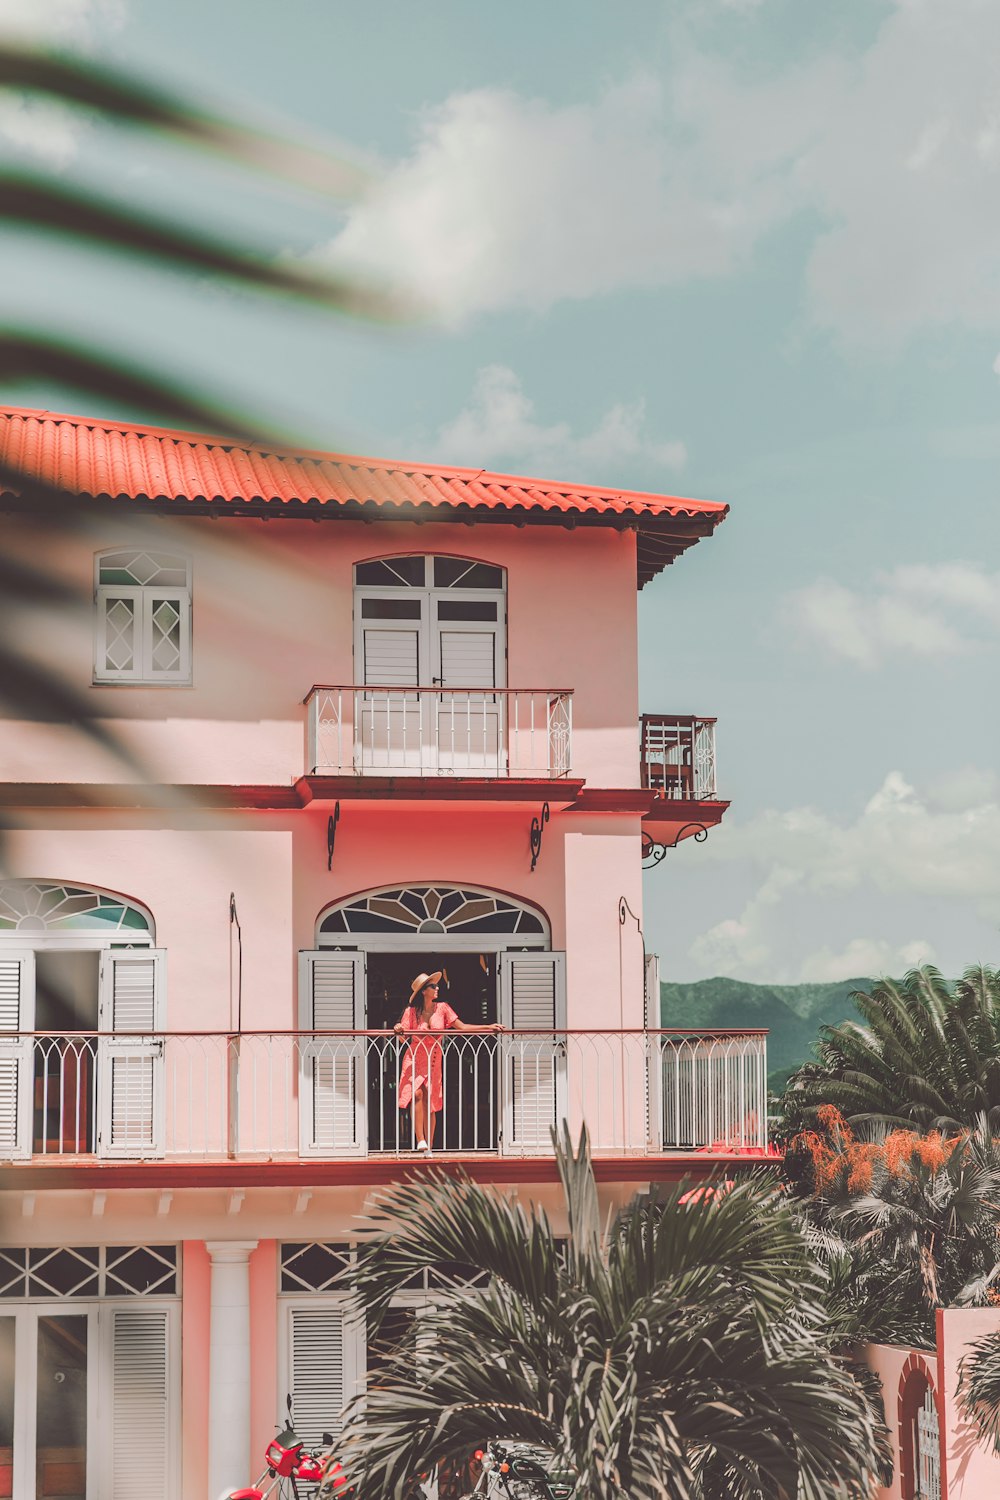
429,909
34,906
425,572
143,617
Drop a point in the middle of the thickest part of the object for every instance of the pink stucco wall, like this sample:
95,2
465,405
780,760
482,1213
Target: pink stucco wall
195,1315
265,1399
272,611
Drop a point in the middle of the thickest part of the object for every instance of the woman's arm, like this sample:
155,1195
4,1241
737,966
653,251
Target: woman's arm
458,1025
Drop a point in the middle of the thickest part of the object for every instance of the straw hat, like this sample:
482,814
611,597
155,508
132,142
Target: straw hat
423,979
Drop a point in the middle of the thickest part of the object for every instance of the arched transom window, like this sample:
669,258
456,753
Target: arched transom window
433,911
143,617
39,906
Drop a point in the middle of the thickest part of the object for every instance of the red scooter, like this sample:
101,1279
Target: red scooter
289,1464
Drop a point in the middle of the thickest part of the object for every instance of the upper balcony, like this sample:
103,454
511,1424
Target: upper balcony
508,733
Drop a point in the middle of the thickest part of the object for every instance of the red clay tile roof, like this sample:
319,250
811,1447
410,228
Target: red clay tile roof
124,460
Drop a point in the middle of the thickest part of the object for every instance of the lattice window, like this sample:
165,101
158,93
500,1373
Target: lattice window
426,572
429,909
38,906
143,618
64,1272
312,1267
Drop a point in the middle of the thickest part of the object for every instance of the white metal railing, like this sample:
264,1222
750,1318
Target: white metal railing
678,755
291,1095
437,731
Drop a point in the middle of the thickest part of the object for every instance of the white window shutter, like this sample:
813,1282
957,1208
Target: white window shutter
533,999
118,647
139,1387
17,1014
130,1071
322,1367
332,1115
166,635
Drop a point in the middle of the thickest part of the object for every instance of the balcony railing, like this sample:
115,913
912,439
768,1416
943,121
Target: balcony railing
435,731
333,1095
678,756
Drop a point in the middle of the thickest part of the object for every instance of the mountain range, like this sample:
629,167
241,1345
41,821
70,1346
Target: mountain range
792,1013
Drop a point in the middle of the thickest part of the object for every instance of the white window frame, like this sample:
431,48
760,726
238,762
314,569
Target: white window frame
144,598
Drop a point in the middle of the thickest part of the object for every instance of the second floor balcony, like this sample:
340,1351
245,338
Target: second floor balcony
296,1096
516,733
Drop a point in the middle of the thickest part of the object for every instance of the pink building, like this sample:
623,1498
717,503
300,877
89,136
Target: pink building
346,721
937,1452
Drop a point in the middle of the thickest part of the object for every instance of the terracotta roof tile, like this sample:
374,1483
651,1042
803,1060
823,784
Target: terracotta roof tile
126,460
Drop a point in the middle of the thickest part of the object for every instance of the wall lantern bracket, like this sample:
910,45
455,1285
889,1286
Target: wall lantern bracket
331,834
535,836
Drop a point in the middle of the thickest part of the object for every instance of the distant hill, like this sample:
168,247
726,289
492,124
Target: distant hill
793,1013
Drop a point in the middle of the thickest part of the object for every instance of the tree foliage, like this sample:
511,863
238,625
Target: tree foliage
679,1351
926,1058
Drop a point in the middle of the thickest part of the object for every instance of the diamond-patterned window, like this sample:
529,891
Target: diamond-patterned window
143,617
64,1272
312,1267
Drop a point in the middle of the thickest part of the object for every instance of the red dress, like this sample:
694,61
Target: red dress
422,1063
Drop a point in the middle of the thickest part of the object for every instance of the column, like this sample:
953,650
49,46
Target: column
229,1365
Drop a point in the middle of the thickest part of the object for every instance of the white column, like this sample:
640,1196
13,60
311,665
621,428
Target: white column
229,1366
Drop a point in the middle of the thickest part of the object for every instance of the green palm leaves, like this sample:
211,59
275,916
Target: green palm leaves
926,1056
677,1352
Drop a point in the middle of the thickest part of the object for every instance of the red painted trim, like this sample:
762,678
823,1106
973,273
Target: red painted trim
37,1176
435,789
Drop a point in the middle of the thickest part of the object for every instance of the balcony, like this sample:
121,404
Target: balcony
297,1096
512,733
678,757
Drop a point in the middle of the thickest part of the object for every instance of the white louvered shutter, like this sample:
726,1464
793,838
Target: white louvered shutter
17,1014
533,998
130,1082
469,725
392,657
332,1116
390,726
322,1369
139,1387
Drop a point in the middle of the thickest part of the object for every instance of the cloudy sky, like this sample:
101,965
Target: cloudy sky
739,249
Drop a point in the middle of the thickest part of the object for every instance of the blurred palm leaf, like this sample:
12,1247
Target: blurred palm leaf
41,204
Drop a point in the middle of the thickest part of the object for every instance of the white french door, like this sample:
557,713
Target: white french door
450,639
88,1401
332,1116
17,1021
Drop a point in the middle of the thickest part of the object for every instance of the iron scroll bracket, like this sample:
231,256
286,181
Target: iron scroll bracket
535,836
653,853
331,834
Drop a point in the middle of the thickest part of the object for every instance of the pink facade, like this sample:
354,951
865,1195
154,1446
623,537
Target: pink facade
207,932
936,1451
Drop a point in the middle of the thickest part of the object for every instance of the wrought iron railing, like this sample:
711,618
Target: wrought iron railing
678,756
437,731
334,1095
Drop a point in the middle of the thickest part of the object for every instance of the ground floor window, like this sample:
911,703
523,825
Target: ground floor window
89,1372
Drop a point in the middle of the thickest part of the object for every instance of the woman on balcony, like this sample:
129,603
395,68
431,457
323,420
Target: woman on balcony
420,1079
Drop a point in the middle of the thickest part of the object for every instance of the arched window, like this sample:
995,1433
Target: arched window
143,627
37,906
439,915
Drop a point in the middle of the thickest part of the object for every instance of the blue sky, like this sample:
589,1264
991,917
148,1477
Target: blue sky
739,249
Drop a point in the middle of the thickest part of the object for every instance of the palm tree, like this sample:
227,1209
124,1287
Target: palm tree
905,1222
927,1057
979,1387
679,1352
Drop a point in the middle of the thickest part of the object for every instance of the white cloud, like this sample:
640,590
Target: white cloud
931,610
862,958
37,125
893,152
904,844
499,425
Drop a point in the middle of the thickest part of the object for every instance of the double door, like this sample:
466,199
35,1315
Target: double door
86,1402
431,664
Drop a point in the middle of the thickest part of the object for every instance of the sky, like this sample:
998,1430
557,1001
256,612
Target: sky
745,250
